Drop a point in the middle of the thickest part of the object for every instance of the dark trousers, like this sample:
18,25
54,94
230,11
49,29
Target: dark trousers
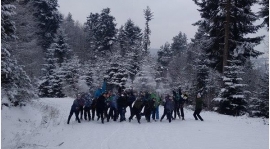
168,113
100,114
197,113
148,114
93,109
81,111
113,114
76,115
122,112
155,113
87,113
176,111
136,112
182,111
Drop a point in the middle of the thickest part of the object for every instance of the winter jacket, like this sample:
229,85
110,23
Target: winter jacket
113,101
98,93
169,105
157,102
131,99
199,103
101,103
81,102
149,104
138,104
122,101
75,105
88,103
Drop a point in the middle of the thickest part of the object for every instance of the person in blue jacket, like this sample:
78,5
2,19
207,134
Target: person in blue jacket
87,106
168,108
75,109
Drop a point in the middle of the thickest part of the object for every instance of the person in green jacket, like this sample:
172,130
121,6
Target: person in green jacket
198,107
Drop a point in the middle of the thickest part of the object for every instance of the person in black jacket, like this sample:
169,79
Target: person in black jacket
149,106
122,104
75,109
176,105
136,109
101,106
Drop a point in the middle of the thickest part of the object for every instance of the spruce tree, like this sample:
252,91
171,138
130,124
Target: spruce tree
147,32
16,86
58,53
129,39
101,30
241,21
233,101
49,20
264,12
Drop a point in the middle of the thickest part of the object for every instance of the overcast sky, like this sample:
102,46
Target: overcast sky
170,16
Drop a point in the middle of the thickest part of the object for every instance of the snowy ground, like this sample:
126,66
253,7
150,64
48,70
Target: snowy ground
42,125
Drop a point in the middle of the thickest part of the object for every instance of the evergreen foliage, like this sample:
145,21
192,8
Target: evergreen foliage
213,15
233,101
49,20
264,12
147,32
101,31
16,86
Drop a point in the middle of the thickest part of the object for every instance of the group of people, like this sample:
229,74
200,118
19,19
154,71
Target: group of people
107,105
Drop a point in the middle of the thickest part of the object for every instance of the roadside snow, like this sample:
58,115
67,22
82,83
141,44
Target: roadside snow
42,125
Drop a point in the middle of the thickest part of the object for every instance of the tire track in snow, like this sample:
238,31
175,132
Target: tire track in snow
109,137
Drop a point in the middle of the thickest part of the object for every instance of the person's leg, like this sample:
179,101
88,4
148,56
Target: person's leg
198,114
169,115
81,111
70,115
93,113
157,112
182,112
194,114
77,116
163,115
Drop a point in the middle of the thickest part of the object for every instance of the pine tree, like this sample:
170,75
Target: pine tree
129,39
233,101
264,96
49,20
264,12
101,31
145,78
62,48
27,51
56,55
241,21
179,43
147,32
69,73
16,85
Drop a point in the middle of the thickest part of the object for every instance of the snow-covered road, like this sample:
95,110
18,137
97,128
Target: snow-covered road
42,125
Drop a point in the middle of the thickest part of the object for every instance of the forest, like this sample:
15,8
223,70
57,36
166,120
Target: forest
47,54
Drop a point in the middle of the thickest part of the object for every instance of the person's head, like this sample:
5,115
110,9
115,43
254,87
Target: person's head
78,95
